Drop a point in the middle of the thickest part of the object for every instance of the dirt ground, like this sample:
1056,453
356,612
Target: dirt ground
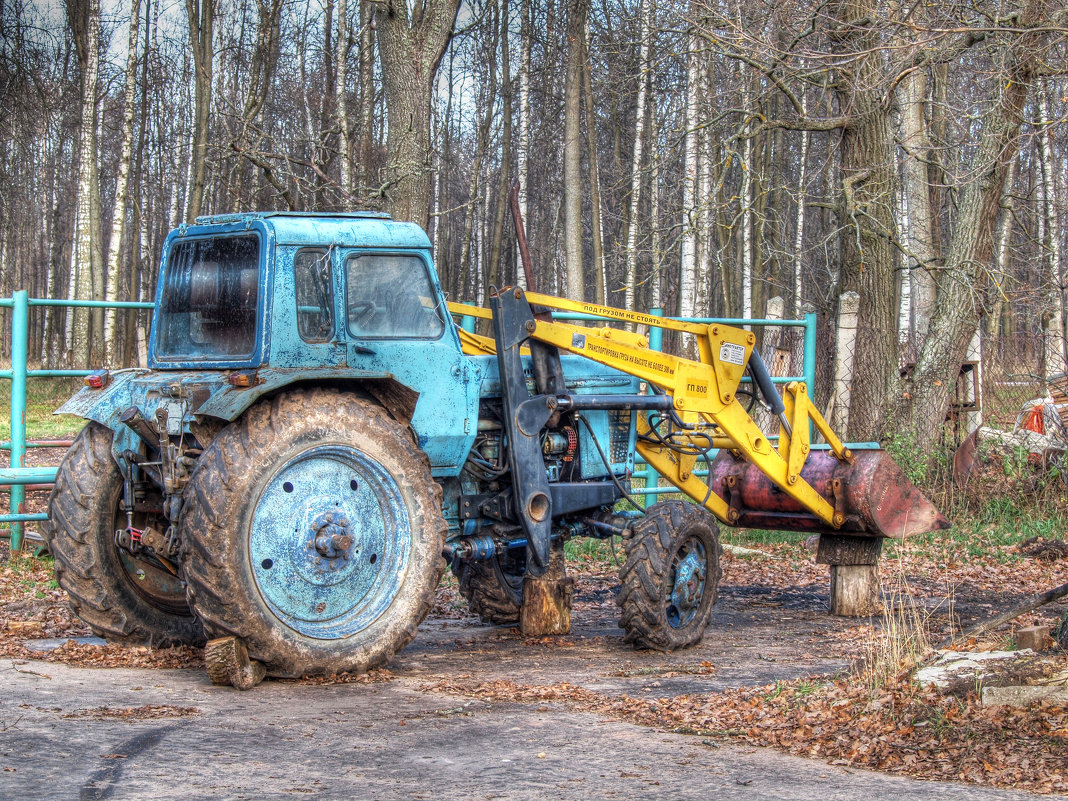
489,713
495,714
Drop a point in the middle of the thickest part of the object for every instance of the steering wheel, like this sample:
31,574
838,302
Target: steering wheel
362,312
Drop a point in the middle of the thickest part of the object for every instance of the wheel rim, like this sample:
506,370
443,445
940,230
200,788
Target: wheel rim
329,542
689,569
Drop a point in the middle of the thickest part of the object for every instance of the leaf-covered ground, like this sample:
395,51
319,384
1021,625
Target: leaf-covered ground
874,717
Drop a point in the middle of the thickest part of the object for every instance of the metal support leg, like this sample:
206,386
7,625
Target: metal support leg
19,351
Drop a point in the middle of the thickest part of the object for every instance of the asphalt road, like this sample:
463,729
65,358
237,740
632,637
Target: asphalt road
370,741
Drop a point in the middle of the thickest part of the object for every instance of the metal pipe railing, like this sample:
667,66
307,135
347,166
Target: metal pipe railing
18,476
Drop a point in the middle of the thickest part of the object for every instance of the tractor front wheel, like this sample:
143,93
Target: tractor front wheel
312,530
124,598
670,578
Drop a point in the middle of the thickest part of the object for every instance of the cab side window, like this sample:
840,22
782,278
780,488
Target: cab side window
314,295
390,296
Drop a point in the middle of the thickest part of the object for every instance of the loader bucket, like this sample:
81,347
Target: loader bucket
873,493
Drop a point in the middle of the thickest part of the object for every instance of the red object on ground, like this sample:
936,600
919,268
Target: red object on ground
1034,420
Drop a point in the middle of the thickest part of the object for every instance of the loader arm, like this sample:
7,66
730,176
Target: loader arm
702,411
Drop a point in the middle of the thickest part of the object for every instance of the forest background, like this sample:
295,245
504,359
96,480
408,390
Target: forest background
702,157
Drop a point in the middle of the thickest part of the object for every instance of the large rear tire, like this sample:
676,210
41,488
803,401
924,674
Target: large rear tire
313,531
121,597
493,589
670,578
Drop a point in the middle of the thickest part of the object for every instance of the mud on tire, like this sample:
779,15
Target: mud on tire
123,599
313,531
670,578
493,592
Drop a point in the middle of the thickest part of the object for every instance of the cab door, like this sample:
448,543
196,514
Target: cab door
395,320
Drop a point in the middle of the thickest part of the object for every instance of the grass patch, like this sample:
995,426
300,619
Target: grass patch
43,397
588,549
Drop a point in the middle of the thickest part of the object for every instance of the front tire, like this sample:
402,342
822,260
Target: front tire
123,598
313,531
670,578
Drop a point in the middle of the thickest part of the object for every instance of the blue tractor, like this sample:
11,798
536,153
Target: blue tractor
307,445
314,441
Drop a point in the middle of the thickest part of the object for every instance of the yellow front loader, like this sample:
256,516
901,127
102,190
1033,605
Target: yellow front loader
694,430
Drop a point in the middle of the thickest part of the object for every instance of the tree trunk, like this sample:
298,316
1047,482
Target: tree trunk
600,277
86,263
656,246
912,93
523,151
201,14
1001,254
341,72
367,94
505,181
688,241
410,49
577,12
118,217
799,219
636,161
927,394
866,217
1056,354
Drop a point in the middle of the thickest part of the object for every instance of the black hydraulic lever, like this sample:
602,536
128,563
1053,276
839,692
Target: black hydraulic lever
524,417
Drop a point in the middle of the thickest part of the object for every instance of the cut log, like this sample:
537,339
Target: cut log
546,605
226,659
855,590
843,549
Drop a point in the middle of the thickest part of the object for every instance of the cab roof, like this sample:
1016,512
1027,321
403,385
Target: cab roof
349,229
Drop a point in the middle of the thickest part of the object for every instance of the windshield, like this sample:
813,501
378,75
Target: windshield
210,297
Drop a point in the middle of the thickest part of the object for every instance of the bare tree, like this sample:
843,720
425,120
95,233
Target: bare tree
410,45
201,15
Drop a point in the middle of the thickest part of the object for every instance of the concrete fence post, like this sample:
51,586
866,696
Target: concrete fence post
848,309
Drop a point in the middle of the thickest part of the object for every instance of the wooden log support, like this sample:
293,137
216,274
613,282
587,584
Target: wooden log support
226,659
855,586
546,605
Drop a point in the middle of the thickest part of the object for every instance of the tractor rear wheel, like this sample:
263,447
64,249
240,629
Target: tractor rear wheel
493,588
312,530
670,578
123,598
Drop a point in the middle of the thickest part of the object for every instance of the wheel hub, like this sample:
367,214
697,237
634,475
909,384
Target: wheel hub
331,536
688,589
329,542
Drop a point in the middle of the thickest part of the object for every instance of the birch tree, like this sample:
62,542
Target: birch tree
577,11
118,218
86,255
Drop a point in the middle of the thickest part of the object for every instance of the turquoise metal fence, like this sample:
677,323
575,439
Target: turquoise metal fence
17,477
